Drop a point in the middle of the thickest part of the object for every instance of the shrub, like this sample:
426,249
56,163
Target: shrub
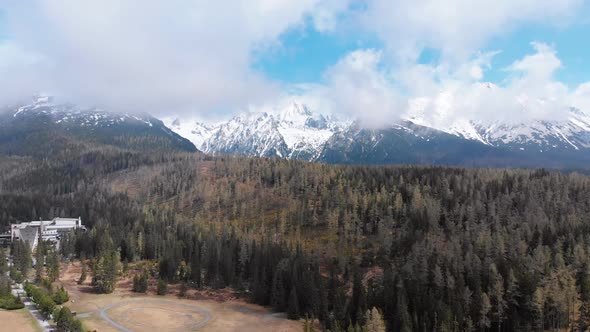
162,287
61,296
16,275
44,302
183,289
65,321
140,282
11,302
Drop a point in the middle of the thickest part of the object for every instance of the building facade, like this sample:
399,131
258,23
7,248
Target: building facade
50,230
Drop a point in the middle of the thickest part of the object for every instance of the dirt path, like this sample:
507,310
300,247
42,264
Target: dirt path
18,290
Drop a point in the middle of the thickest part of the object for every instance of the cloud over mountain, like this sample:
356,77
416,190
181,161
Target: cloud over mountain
155,55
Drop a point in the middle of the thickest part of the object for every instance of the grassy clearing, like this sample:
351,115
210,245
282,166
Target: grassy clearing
18,321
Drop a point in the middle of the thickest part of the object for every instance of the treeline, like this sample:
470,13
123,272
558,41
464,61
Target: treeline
267,272
8,301
46,303
431,248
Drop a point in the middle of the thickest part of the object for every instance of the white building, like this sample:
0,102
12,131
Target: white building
51,230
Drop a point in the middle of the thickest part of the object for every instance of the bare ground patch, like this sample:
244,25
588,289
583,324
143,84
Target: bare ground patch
148,312
17,321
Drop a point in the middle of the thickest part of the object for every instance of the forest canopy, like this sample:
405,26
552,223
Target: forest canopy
431,248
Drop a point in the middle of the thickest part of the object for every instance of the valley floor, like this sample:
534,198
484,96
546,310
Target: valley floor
126,311
18,321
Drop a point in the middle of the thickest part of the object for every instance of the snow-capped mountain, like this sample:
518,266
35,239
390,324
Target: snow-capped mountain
571,132
70,114
293,132
296,132
45,127
195,131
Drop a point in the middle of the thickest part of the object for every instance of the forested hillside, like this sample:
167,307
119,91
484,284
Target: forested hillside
433,248
49,131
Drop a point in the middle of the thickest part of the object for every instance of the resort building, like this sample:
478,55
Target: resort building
50,230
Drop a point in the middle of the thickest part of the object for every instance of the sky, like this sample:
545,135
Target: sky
375,60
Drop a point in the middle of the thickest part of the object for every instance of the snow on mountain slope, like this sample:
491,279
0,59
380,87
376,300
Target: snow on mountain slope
441,120
571,131
253,134
195,131
69,114
73,124
292,132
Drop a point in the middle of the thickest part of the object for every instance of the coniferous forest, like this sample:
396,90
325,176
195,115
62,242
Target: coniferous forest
431,248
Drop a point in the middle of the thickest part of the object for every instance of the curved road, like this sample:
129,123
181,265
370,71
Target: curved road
103,312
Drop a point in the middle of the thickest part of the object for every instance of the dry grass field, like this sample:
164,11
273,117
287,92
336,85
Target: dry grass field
18,321
199,311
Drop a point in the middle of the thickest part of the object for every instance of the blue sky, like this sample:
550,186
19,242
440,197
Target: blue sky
359,57
303,54
570,42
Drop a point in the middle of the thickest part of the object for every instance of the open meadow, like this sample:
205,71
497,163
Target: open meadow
124,310
18,321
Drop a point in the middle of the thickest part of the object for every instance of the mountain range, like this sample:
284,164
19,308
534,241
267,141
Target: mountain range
296,132
44,127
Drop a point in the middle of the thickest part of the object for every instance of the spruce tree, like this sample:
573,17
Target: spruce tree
39,258
293,309
53,273
375,322
583,321
84,271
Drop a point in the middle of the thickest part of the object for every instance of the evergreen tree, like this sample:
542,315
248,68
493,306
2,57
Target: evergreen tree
583,321
375,322
84,272
293,309
3,263
53,270
486,307
358,302
39,258
162,287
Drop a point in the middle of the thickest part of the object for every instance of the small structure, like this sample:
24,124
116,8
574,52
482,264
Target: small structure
51,230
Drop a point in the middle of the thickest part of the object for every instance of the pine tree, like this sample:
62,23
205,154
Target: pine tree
84,272
486,306
404,321
53,273
106,272
278,291
375,322
358,302
3,263
39,258
583,321
293,309
183,289
162,287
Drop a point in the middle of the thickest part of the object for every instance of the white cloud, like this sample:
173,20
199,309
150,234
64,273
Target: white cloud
458,28
357,87
361,86
530,92
150,55
197,55
581,97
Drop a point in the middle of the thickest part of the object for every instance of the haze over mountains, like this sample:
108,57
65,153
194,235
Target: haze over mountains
44,128
298,132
